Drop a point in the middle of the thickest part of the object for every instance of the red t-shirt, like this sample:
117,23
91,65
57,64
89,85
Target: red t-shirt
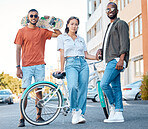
33,44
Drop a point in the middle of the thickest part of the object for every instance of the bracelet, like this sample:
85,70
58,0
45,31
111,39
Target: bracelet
17,66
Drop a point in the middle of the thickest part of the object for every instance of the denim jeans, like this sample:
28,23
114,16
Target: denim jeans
36,71
77,75
113,91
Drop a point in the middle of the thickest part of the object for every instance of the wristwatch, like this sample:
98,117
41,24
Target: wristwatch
17,66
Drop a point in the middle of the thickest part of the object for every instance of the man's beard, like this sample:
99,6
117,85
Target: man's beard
113,17
33,23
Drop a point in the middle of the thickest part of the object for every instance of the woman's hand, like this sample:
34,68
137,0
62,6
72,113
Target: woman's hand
61,71
99,54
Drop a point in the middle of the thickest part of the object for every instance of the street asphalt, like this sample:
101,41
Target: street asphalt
135,114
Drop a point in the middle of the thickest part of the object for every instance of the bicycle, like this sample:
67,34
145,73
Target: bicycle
102,97
53,100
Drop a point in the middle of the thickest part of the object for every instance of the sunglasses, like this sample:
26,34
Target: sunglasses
110,9
33,16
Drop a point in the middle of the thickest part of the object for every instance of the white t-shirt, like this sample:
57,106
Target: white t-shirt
104,50
105,42
71,47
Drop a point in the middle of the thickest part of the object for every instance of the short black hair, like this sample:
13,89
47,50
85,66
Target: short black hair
113,4
31,10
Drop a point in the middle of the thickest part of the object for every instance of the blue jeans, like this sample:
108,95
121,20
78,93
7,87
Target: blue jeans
113,91
77,75
36,71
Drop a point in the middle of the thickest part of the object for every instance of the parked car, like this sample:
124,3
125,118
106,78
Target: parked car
92,94
6,96
132,91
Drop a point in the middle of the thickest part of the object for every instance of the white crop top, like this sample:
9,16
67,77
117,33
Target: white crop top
71,47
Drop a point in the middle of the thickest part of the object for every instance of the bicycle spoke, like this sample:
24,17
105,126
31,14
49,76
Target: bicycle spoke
48,105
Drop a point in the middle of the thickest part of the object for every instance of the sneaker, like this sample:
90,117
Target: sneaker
40,119
112,112
82,119
21,123
75,117
118,117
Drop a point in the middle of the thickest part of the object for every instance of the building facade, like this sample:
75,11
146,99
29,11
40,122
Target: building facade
134,12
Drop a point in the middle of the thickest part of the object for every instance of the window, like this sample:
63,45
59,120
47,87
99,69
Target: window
130,1
131,30
136,32
95,5
118,3
98,2
139,67
89,8
100,21
88,35
122,4
93,31
92,6
135,27
99,25
140,24
126,2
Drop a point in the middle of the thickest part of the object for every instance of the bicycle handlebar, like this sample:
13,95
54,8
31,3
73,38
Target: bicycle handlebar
59,75
94,62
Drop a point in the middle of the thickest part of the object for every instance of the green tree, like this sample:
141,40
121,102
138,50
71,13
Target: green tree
9,82
144,88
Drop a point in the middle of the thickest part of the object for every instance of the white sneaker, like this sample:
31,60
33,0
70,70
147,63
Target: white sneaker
112,113
117,117
82,119
77,117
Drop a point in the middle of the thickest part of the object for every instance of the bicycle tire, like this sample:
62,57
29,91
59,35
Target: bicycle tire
49,111
106,108
103,100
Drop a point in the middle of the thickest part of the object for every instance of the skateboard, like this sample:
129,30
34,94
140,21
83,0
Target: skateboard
45,22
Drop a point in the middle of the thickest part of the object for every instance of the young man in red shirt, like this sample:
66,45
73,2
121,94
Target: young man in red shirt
31,41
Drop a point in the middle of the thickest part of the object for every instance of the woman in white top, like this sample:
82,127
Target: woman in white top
73,50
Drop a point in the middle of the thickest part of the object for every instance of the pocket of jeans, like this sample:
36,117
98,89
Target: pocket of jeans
69,60
40,67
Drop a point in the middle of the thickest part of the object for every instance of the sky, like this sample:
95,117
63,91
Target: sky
12,11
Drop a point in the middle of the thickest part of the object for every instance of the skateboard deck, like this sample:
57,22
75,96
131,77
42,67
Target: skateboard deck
45,22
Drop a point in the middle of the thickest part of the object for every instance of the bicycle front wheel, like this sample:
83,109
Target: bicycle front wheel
42,99
106,107
103,100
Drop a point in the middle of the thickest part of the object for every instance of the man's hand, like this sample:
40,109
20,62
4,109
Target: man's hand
56,33
119,65
99,54
19,73
46,17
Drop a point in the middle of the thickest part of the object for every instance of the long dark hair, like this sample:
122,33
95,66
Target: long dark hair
71,18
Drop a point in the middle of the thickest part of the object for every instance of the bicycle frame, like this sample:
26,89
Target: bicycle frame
58,86
53,97
94,75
